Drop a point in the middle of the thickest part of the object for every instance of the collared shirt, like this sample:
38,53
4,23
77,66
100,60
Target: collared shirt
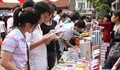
38,55
16,44
67,35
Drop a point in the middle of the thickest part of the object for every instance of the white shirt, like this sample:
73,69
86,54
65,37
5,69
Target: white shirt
57,19
2,23
67,35
9,24
38,56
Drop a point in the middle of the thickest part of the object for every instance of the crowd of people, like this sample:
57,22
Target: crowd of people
38,33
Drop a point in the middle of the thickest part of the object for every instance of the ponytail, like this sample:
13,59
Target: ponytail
16,19
23,16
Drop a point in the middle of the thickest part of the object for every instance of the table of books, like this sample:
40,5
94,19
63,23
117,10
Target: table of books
84,57
72,60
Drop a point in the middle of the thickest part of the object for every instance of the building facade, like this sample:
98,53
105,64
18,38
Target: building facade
84,7
115,5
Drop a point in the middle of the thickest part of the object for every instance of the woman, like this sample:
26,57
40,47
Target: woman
106,23
14,47
114,53
52,48
37,41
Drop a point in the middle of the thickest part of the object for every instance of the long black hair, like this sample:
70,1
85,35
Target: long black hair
22,16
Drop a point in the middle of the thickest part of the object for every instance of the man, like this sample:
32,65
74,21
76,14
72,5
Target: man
70,29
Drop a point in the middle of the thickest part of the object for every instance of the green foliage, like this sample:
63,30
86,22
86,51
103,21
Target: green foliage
102,10
101,6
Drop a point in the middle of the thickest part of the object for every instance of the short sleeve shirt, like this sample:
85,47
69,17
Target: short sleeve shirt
16,44
67,35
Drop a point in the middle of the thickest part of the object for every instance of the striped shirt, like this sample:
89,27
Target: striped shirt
16,44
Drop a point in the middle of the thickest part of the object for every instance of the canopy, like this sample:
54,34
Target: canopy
22,1
7,4
13,1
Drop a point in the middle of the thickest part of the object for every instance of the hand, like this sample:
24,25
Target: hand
55,36
52,31
46,39
114,68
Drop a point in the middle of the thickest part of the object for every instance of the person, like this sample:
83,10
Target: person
3,30
106,23
10,19
28,3
70,29
58,16
74,17
114,53
64,16
14,47
53,47
116,65
38,41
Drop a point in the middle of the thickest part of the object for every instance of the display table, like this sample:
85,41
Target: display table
85,57
71,60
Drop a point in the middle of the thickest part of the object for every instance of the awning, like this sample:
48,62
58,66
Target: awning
7,4
12,1
22,1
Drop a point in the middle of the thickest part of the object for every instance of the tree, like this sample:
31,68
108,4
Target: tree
102,6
